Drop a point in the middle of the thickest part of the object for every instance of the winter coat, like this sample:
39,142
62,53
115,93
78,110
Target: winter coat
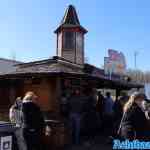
32,116
15,114
134,124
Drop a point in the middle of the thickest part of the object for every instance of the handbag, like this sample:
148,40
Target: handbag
119,132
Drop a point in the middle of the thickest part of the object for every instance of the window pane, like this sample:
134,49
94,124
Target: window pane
69,40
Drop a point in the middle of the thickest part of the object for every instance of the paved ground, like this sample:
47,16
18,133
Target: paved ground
99,143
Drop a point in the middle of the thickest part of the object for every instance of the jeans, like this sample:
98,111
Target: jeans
75,121
33,139
20,139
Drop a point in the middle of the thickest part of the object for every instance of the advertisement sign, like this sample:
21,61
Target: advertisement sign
6,143
115,62
108,65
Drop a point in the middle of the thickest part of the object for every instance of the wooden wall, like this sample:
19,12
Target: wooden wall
47,91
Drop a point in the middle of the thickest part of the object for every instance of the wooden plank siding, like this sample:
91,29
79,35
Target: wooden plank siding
46,91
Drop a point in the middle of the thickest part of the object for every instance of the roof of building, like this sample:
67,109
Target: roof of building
70,16
70,20
60,66
10,60
7,65
53,65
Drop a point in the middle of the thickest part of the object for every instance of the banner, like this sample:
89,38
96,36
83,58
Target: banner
115,62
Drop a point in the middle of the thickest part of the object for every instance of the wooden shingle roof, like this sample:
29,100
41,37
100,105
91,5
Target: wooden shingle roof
70,20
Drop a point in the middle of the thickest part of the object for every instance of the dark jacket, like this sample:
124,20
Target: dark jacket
32,116
76,104
100,104
134,124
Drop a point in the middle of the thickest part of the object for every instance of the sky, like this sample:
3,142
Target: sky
27,29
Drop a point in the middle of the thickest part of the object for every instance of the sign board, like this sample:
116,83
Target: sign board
6,143
115,62
108,66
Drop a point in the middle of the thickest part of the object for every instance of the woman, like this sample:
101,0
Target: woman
134,124
33,122
15,116
15,112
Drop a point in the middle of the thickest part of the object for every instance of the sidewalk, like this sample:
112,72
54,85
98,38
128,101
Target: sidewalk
99,143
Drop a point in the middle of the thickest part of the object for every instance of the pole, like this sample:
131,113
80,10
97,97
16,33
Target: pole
135,59
135,64
135,55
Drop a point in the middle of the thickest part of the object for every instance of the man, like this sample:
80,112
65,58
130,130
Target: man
75,106
108,114
100,105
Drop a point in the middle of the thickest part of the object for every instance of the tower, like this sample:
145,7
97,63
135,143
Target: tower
70,37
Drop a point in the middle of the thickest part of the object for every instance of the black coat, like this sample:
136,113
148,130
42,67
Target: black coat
32,116
135,125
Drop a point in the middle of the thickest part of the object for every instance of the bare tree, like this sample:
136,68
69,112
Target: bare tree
86,59
139,76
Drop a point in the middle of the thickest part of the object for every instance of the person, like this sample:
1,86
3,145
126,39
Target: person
75,110
33,122
146,106
15,112
108,104
64,108
100,105
118,111
90,120
134,124
108,115
15,116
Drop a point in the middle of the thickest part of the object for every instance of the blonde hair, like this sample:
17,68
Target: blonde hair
18,98
29,95
133,98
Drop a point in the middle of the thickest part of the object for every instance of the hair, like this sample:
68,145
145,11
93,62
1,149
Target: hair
29,96
108,94
18,99
99,93
133,98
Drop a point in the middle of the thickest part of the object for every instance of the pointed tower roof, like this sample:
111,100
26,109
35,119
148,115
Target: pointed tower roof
70,20
70,16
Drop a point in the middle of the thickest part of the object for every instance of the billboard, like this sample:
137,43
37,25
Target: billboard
115,62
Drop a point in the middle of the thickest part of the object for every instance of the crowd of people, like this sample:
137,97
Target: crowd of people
126,118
